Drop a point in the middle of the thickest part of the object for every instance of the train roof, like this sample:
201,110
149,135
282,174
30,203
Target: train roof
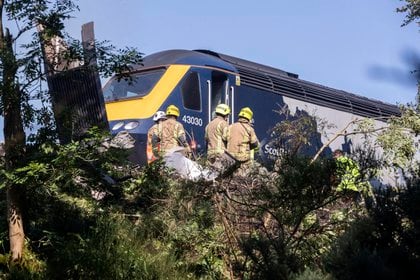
185,57
277,81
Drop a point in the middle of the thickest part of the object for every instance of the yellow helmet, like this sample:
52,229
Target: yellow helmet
222,109
246,113
172,110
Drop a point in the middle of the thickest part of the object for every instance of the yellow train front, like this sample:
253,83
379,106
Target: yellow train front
197,81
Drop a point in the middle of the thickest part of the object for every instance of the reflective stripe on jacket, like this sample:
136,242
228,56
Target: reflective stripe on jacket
149,149
152,150
216,132
240,136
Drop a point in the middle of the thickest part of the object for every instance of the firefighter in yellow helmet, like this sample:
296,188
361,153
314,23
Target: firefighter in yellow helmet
216,133
172,133
241,137
158,118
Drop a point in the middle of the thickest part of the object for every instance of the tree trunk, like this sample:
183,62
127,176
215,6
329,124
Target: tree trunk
14,216
14,139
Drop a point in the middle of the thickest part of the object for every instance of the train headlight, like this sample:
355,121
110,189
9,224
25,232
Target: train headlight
118,125
131,125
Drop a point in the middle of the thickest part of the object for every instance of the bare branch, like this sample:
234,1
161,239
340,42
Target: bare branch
338,134
343,132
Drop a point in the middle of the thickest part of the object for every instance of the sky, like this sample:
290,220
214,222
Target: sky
358,46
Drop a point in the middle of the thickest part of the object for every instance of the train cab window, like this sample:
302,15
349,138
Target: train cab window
140,85
190,90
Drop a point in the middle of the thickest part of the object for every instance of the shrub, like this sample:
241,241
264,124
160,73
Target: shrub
111,249
384,245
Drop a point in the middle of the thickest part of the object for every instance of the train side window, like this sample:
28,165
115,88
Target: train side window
190,90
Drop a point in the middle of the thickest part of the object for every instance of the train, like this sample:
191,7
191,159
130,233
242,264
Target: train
196,81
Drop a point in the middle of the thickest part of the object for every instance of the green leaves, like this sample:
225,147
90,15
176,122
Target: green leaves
33,172
118,61
399,140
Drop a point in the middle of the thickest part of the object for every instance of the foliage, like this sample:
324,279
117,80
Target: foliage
292,218
111,249
268,226
76,234
27,57
398,141
385,244
152,225
31,267
188,227
310,274
147,187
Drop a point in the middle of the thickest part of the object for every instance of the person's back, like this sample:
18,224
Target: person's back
154,130
216,132
170,135
239,140
241,137
216,136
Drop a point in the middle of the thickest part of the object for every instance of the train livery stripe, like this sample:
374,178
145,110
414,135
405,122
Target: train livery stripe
145,107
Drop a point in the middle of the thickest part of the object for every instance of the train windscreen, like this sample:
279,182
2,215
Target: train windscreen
139,85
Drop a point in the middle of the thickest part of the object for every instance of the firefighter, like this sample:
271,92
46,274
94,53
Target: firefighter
158,118
216,132
241,137
347,171
349,180
172,133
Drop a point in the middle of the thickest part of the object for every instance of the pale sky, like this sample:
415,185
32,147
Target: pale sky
355,45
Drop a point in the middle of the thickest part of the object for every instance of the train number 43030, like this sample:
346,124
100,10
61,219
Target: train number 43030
192,120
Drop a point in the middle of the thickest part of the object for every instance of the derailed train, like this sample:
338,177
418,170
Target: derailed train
197,81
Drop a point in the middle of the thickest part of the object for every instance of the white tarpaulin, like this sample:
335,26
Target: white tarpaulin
187,168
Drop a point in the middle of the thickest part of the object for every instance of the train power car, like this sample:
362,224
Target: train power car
197,81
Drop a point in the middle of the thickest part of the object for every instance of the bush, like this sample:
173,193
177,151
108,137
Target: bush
384,245
310,274
112,249
294,216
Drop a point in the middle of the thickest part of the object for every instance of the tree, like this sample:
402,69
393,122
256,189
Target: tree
412,8
23,77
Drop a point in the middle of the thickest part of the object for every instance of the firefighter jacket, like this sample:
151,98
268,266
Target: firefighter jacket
241,139
348,174
172,134
151,151
216,133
